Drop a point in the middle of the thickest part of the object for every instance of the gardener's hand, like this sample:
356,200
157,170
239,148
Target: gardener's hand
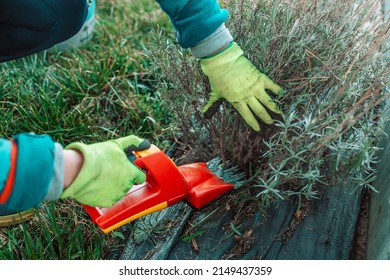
106,174
236,79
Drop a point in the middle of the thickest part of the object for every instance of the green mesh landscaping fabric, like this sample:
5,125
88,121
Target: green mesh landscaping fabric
324,230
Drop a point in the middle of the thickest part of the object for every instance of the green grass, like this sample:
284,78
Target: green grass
98,92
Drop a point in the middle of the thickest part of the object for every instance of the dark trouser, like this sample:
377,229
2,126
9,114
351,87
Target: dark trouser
30,26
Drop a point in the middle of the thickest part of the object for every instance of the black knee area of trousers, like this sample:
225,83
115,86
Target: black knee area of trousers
30,26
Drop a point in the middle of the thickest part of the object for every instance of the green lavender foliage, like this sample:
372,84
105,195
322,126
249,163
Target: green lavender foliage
329,58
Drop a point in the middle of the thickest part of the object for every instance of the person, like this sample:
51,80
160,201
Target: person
100,174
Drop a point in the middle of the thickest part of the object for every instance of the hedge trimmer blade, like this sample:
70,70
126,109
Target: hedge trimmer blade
228,172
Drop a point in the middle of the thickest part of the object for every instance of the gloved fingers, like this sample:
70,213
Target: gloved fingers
259,110
132,143
269,84
212,109
211,106
247,115
267,101
144,145
137,174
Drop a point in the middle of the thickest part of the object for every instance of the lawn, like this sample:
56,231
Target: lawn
98,92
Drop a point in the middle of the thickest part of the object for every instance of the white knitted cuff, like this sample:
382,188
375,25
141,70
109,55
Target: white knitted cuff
216,41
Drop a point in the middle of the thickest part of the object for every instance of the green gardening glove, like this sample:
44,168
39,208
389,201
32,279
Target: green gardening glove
107,174
236,79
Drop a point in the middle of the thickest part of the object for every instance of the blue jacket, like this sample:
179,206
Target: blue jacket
26,170
29,163
194,20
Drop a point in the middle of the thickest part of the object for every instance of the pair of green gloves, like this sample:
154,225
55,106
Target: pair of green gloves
107,174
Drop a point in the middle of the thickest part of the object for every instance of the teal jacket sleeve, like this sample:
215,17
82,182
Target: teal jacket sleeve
33,164
194,20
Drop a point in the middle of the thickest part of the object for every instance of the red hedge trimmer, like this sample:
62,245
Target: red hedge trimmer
198,184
